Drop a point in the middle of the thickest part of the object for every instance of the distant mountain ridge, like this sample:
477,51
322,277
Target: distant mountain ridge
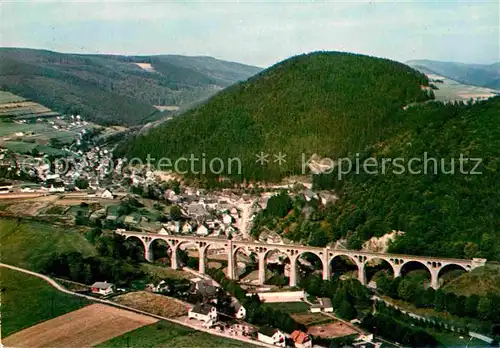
483,75
115,89
325,103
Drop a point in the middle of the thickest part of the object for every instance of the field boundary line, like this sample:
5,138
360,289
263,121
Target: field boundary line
62,289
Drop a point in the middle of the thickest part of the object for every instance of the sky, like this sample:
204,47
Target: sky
259,33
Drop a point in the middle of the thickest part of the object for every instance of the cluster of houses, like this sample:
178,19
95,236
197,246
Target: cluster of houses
92,167
209,214
206,313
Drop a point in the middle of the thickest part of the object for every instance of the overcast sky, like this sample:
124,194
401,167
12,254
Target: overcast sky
259,33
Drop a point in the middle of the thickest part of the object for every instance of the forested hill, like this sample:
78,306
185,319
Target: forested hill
482,75
116,89
326,103
454,215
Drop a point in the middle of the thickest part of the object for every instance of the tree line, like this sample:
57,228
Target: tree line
116,261
485,308
441,214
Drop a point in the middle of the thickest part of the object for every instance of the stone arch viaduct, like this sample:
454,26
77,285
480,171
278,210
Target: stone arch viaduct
434,264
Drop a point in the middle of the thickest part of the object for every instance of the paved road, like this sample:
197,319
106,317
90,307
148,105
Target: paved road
62,289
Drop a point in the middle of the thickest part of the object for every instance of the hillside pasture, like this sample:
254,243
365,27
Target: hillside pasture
18,146
25,244
7,128
28,300
23,109
7,97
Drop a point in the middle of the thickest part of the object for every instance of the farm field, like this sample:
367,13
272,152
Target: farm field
8,128
84,327
453,90
28,300
166,334
330,330
30,204
310,318
26,147
18,146
12,105
153,303
25,244
7,97
38,124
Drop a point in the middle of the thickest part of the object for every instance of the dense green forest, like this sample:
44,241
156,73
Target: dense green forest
112,89
443,214
328,103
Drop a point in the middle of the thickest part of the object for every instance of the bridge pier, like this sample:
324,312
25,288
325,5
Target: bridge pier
148,252
397,270
262,268
174,262
293,271
202,251
435,279
361,273
230,261
326,264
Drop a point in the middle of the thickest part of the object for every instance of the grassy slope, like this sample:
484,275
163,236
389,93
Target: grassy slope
25,244
28,300
165,334
328,103
479,281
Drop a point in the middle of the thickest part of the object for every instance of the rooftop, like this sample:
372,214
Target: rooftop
102,285
268,331
299,337
325,302
202,308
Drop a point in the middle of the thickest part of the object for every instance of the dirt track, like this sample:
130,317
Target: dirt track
85,327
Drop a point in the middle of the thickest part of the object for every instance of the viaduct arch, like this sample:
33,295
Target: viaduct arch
434,264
